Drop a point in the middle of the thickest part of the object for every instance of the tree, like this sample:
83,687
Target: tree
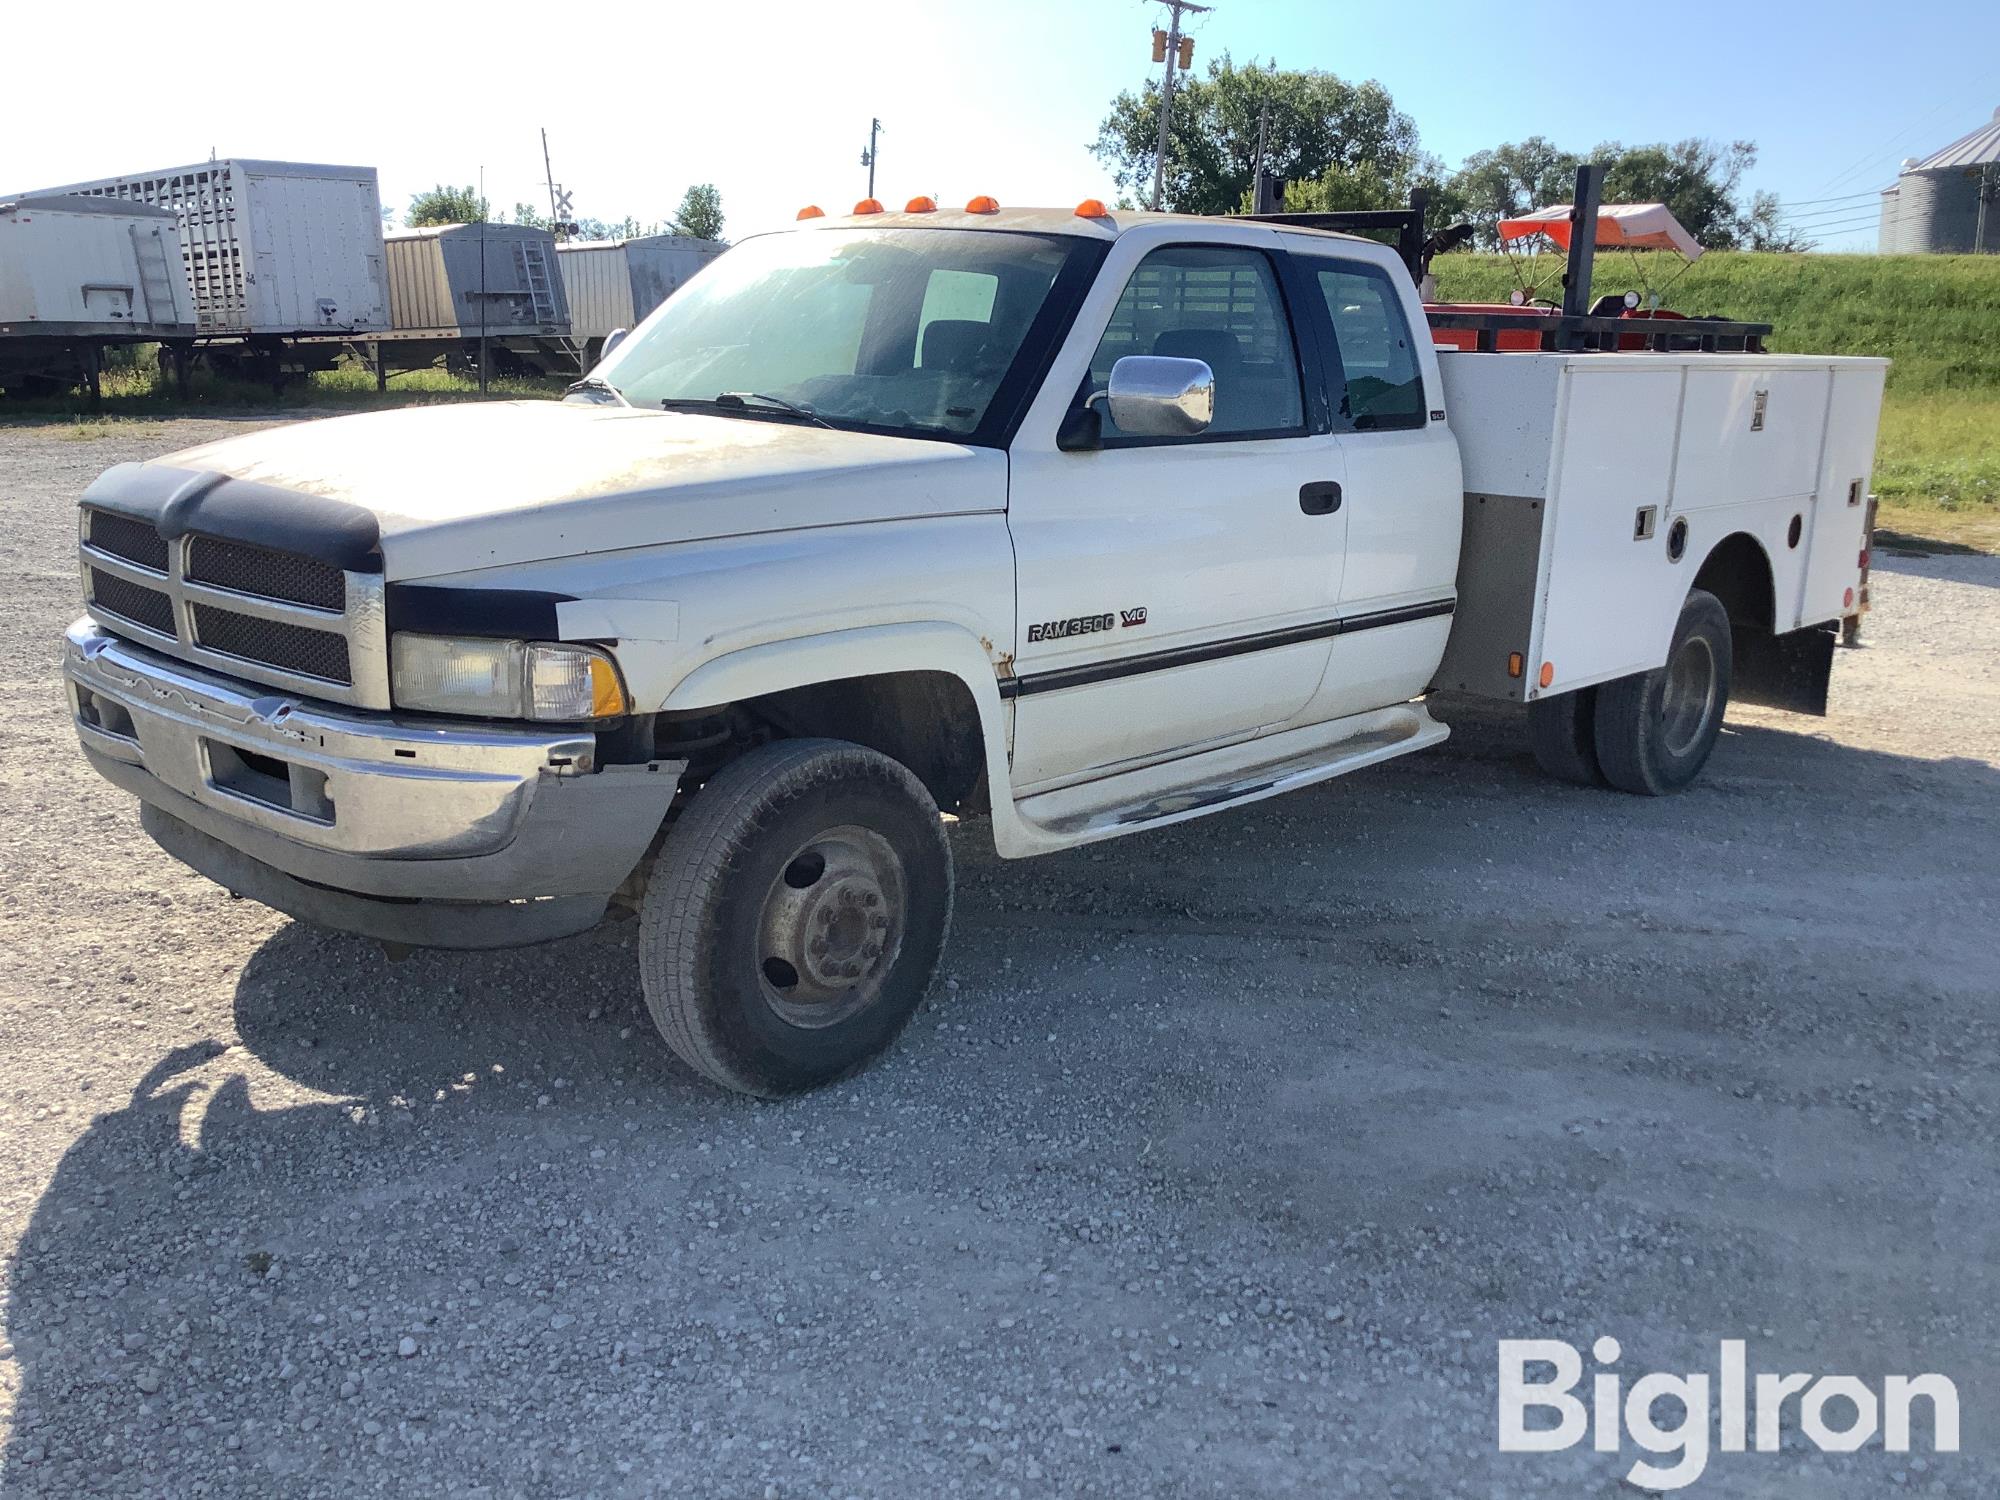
1347,139
1512,180
1697,179
700,213
447,205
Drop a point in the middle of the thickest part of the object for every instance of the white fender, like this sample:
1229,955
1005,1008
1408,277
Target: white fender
912,646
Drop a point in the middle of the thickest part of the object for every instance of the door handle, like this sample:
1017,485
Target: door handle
1320,499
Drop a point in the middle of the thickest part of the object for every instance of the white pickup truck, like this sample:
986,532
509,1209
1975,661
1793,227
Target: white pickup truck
1081,522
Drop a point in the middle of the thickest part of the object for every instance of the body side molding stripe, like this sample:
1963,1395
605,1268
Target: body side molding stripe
1085,675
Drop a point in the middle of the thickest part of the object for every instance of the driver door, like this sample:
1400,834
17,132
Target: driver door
1176,593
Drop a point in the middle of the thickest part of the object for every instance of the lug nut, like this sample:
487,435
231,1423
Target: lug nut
872,899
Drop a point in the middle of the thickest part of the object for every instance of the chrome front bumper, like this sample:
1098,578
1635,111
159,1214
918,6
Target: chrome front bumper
371,805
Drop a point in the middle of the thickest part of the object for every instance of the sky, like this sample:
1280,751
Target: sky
771,102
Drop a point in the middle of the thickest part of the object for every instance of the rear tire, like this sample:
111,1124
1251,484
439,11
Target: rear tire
1563,731
1655,729
796,915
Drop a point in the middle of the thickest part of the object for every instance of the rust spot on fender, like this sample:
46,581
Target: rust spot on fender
1003,661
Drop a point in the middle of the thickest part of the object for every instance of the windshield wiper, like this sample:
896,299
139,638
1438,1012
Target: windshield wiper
740,401
595,385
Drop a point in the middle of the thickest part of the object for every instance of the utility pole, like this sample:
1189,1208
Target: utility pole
868,156
1176,49
549,175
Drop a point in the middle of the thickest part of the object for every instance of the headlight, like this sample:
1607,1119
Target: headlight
505,679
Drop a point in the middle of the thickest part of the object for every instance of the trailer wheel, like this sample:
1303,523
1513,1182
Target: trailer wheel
795,916
1562,729
1655,729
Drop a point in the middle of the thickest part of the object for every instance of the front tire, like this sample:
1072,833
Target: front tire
796,915
1655,729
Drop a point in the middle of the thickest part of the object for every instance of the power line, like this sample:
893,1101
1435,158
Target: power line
1804,202
1945,102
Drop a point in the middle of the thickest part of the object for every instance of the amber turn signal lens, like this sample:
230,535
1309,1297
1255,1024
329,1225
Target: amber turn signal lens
983,205
920,206
1548,673
869,206
1091,208
812,211
1516,664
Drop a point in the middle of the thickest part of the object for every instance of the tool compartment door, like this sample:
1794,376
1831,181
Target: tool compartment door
1610,593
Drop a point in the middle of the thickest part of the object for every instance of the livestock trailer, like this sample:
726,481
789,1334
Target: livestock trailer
275,251
78,274
613,284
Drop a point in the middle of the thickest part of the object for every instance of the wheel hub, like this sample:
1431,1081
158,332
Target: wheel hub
831,926
1688,698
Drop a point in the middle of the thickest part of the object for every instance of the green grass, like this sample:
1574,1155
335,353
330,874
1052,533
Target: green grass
1937,317
137,391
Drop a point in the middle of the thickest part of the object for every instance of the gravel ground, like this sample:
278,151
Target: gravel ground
1216,1166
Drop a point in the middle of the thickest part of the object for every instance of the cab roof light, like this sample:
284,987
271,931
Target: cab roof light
869,206
1092,208
983,204
921,205
812,211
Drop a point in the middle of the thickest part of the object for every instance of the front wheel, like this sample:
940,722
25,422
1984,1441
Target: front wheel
796,915
1654,730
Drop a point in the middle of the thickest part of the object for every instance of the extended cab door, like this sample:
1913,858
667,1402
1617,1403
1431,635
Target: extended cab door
1175,593
1404,499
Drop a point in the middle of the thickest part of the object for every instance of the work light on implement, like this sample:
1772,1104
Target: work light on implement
505,679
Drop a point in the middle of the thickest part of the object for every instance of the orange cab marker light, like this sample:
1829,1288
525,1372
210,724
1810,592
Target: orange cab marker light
920,206
1548,673
983,205
1516,663
869,206
812,211
1091,208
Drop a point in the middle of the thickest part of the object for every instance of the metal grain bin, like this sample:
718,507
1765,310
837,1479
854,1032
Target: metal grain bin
616,283
1949,202
74,267
469,280
271,247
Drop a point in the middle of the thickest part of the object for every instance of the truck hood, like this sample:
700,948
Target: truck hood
454,488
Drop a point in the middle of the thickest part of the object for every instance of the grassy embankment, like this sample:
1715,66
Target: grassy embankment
1937,316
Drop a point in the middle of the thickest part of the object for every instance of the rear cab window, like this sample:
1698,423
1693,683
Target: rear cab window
1373,375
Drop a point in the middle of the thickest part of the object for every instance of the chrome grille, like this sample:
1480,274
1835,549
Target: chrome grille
266,574
133,602
272,617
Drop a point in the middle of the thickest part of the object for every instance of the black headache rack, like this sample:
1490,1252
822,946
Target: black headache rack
1577,327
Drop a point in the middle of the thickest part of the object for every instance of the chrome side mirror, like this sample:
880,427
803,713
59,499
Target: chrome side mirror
1152,395
611,341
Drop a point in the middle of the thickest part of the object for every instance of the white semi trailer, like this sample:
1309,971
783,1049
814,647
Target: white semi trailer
278,256
78,275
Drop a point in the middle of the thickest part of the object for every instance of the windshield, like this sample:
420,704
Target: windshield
909,331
